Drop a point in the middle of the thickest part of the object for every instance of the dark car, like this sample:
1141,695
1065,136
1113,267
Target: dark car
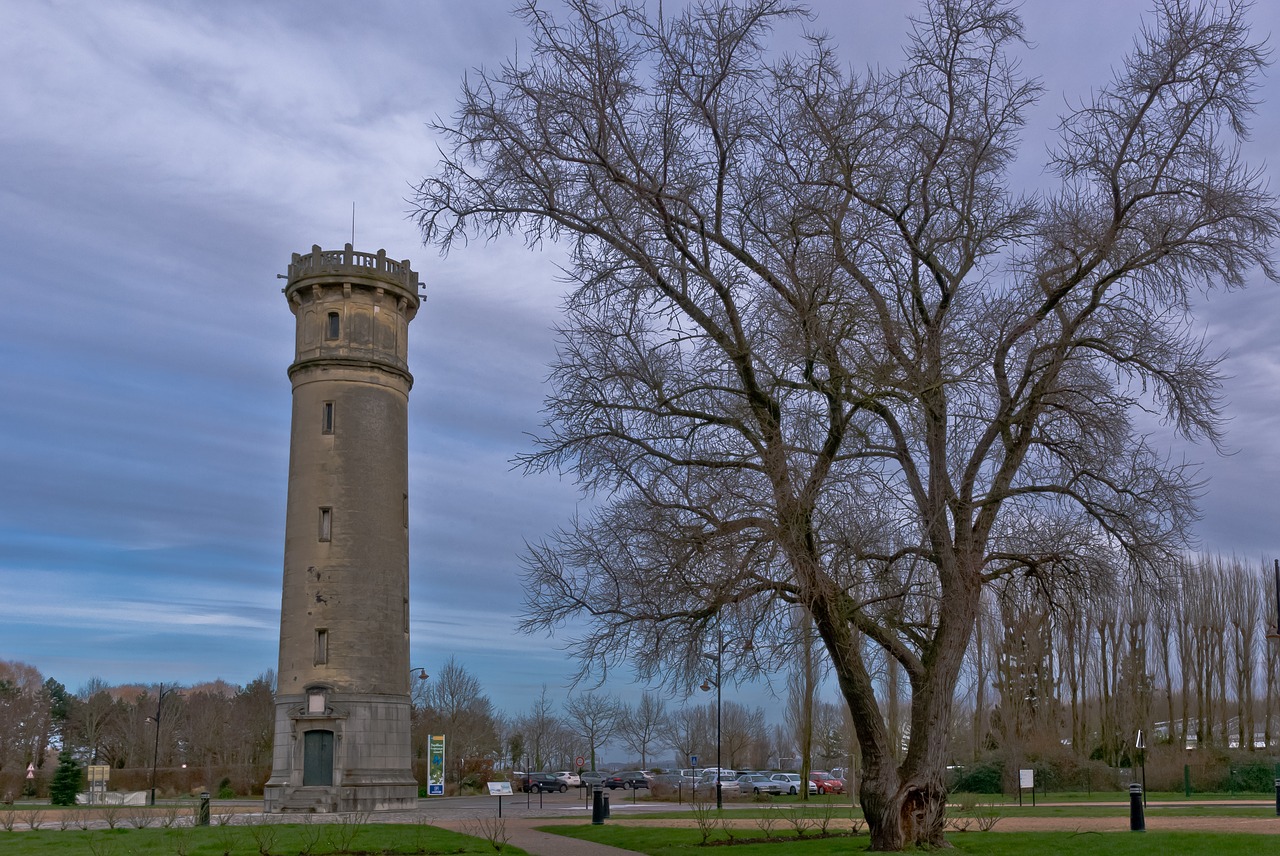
627,779
532,782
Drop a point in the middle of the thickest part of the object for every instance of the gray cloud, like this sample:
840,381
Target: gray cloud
163,160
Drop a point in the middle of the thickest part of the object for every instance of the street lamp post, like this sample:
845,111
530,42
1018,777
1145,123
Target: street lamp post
155,752
716,657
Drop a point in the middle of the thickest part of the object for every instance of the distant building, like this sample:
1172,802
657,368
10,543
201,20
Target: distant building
342,701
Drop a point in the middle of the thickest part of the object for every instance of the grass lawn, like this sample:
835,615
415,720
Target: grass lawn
1109,796
283,839
1122,811
685,842
840,807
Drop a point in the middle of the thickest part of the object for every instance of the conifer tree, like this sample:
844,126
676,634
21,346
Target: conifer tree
66,780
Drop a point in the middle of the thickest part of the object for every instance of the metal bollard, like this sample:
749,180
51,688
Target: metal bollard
597,805
1277,797
1137,821
203,819
606,805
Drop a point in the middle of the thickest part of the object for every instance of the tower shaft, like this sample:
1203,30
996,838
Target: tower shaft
342,702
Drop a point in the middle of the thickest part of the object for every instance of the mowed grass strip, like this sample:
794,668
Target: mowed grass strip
1122,811
285,838
657,841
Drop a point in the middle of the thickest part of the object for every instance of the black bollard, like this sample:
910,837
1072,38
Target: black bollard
1277,797
606,805
203,820
597,805
1137,822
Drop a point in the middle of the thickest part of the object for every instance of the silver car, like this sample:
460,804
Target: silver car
758,783
728,782
592,778
790,783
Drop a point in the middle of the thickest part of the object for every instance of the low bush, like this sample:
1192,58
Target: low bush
981,778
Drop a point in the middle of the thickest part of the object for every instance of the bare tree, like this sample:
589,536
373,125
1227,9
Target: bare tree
539,732
1163,618
743,738
691,731
91,717
1270,654
830,737
1242,593
802,691
818,353
25,720
456,706
593,717
639,726
1185,621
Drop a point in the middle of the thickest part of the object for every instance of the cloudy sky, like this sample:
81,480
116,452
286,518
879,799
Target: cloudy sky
161,162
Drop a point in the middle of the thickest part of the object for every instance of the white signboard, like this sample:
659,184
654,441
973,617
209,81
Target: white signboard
499,789
1027,779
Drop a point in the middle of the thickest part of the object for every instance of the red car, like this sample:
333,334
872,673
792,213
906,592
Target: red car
827,783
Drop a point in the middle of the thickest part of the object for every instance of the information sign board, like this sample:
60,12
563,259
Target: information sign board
435,765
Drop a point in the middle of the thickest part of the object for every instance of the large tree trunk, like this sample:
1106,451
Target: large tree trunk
905,804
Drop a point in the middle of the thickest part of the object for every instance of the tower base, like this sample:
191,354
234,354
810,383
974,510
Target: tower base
382,797
341,752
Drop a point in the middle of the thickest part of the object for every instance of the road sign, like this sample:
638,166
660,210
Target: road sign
579,761
31,771
693,760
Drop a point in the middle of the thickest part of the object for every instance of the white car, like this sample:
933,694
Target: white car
573,780
791,783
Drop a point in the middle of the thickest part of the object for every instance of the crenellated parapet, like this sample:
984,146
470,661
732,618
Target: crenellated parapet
330,263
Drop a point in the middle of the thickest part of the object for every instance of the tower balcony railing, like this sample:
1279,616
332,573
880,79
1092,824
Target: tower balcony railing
320,261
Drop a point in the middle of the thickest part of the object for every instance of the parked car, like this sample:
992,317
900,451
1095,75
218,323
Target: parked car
728,781
758,783
627,779
573,780
790,783
827,783
534,782
591,778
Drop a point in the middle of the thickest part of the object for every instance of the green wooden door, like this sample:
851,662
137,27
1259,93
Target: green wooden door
317,758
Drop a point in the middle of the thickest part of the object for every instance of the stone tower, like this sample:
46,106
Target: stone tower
342,699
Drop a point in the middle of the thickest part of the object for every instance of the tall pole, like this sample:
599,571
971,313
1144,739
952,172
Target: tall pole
718,656
1278,597
155,752
719,765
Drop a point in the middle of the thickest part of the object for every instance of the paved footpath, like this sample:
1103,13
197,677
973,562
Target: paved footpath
521,814
521,833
